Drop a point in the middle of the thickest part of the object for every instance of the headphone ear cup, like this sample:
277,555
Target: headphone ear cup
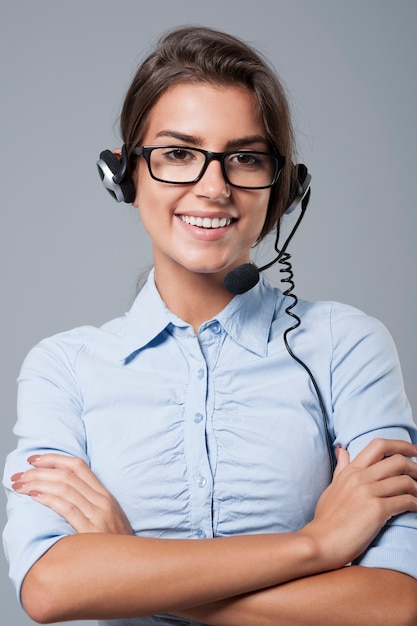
111,160
109,167
300,185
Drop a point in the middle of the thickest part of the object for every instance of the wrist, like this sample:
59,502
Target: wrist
320,557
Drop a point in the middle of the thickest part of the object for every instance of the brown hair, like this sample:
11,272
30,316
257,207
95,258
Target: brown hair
199,54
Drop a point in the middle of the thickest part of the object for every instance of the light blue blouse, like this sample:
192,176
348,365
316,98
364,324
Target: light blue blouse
214,435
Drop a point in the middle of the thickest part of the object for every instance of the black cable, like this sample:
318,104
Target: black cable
284,259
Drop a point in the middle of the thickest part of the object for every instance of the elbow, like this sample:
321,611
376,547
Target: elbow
411,617
39,596
407,606
46,593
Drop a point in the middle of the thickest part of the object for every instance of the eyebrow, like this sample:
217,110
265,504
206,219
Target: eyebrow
193,140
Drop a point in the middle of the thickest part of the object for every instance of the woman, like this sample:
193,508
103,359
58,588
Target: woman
193,417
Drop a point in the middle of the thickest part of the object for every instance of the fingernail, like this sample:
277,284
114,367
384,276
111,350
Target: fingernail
17,486
35,494
16,477
34,458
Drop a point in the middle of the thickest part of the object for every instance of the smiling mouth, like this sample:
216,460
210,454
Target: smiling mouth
206,222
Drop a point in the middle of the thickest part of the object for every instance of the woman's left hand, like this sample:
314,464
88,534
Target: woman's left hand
67,486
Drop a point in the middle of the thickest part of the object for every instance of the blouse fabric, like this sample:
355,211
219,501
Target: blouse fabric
211,435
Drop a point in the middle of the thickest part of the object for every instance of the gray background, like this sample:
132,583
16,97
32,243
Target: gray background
70,255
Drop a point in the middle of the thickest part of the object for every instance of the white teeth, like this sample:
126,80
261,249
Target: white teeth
206,222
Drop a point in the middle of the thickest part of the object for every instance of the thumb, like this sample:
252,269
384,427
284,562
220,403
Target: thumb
343,460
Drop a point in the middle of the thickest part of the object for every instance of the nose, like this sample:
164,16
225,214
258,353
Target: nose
213,185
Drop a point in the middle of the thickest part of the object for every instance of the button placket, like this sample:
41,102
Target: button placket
201,356
199,472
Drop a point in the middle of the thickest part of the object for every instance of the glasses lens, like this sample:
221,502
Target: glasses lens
250,169
176,165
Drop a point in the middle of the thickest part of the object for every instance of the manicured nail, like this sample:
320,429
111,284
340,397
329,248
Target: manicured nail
16,477
35,494
17,486
34,458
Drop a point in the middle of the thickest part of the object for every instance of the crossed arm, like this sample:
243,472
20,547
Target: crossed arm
291,579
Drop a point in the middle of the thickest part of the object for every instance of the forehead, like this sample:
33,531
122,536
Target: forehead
205,112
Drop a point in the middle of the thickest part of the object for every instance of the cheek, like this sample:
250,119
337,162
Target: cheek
153,195
140,179
258,210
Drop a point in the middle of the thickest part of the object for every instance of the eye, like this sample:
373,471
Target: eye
246,159
179,154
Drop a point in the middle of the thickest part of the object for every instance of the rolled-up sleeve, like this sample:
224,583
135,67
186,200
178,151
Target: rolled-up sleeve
49,420
369,401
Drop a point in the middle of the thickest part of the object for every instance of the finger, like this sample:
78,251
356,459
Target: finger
343,460
74,515
70,496
396,505
395,465
380,448
62,483
63,499
395,486
68,510
84,515
71,464
52,459
45,482
113,520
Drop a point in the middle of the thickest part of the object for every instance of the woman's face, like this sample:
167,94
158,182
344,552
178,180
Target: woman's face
213,118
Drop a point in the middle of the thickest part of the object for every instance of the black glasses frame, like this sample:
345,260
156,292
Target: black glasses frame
146,152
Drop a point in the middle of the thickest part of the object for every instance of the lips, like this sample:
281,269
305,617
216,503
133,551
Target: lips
206,222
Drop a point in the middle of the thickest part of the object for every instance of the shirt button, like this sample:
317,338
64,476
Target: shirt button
201,534
198,417
200,373
216,328
202,482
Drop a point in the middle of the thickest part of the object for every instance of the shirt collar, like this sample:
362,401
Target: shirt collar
247,318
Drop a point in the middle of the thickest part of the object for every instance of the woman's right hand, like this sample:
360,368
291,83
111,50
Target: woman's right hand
379,483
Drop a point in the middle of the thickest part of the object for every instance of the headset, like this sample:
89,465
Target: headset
242,278
112,172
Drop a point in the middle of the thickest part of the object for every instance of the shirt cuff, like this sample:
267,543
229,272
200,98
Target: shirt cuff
395,547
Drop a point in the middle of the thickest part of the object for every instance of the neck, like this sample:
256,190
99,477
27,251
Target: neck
194,297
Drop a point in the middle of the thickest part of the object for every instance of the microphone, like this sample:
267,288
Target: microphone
241,278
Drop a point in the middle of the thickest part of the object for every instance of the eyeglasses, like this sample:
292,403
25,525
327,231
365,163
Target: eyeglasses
181,165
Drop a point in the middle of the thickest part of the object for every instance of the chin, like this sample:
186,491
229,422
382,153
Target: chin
206,268
207,273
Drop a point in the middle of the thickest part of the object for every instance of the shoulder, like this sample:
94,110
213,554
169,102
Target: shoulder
336,333
63,349
354,331
344,324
